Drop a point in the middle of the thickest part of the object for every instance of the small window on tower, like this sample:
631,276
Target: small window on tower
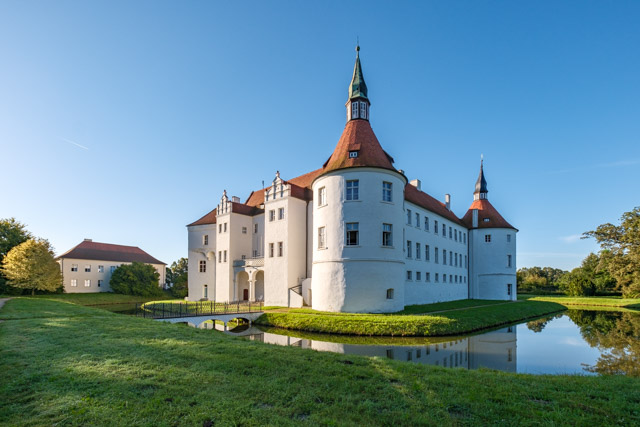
353,154
354,110
363,110
486,220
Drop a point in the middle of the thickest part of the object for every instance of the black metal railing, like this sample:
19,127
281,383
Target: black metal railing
172,310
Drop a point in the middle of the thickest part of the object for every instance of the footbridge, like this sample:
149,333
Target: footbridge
197,313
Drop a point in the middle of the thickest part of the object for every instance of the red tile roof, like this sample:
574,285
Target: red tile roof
485,210
209,218
243,209
300,188
108,252
358,136
422,199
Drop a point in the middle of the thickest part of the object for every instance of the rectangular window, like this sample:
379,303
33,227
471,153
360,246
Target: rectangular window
205,239
203,266
418,276
508,260
487,238
322,196
444,257
354,110
450,278
386,191
417,220
87,283
363,110
352,234
255,253
255,228
436,255
409,246
74,282
387,235
427,256
101,269
426,223
220,228
271,250
418,246
455,235
113,268
322,242
450,233
353,154
456,259
390,296
244,230
444,230
409,275
100,282
508,238
509,289
87,268
409,216
437,277
435,227
272,215
450,258
225,227
74,267
352,189
280,213
427,277
280,248
444,278
225,256
219,257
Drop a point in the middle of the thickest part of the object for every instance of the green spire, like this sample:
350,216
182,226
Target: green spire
358,88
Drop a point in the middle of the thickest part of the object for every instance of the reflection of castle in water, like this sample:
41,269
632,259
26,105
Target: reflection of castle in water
493,350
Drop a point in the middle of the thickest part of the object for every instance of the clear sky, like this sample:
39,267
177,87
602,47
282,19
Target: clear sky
124,121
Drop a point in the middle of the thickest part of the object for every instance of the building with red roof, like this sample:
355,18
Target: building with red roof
87,267
352,236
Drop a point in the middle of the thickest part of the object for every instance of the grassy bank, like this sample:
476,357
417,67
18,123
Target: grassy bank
95,298
443,323
82,366
633,303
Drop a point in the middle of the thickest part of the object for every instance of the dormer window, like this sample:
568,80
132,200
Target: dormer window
353,154
486,220
354,110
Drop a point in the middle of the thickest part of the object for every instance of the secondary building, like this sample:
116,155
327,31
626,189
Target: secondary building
354,235
88,266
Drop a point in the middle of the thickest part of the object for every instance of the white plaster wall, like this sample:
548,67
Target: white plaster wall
495,350
257,239
224,269
94,275
199,251
356,279
240,245
489,271
423,291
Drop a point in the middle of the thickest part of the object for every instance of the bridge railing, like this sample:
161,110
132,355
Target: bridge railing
177,309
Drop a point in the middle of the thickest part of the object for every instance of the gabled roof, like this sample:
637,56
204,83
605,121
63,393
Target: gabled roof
109,252
485,210
209,218
243,209
422,199
300,188
359,137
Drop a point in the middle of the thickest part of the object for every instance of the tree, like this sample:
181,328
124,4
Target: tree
621,251
12,233
31,265
589,279
539,280
135,279
177,275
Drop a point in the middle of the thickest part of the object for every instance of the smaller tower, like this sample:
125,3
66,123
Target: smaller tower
481,184
358,105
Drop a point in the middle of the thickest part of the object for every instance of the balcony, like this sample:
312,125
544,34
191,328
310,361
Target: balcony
249,262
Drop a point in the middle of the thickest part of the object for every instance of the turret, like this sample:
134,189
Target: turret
358,104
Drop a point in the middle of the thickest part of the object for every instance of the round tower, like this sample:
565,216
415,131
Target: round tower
492,248
358,263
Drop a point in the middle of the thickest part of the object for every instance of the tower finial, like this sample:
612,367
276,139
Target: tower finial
357,44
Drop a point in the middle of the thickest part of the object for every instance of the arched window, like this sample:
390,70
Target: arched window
389,293
205,291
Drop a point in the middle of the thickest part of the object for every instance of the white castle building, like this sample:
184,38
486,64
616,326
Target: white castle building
352,236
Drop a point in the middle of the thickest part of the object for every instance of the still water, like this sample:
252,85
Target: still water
574,342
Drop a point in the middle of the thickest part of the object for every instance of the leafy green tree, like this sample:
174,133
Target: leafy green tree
178,275
31,265
621,251
12,233
539,280
135,279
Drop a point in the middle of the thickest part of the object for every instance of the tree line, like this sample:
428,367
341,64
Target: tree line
615,269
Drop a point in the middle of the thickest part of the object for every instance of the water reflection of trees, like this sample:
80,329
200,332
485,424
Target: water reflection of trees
539,324
616,335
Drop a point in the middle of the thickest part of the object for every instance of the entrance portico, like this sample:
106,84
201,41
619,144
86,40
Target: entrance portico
248,279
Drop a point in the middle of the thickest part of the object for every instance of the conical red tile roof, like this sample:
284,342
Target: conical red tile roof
358,136
485,211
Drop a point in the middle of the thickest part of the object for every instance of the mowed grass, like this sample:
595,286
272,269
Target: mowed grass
451,322
633,303
97,298
83,366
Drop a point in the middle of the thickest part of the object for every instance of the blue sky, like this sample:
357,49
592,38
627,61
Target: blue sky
124,121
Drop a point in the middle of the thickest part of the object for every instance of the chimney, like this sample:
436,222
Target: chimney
416,183
447,201
88,240
235,199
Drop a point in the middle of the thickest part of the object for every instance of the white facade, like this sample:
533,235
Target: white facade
352,236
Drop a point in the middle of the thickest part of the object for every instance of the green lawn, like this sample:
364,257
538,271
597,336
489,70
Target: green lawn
96,298
587,301
443,323
83,366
